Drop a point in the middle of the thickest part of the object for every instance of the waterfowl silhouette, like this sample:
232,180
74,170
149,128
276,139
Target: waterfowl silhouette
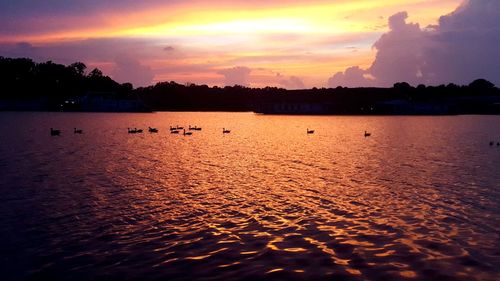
131,131
174,131
310,131
224,131
152,130
138,130
186,133
367,134
79,131
54,132
195,128
492,143
179,127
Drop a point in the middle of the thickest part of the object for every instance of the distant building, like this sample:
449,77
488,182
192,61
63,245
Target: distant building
105,103
32,104
292,108
405,107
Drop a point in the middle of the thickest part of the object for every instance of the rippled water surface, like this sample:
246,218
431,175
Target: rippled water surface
418,200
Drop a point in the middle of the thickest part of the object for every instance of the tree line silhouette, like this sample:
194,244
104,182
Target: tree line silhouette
22,78
479,97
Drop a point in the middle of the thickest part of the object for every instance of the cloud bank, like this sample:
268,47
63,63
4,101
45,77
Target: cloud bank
290,82
461,48
128,69
236,76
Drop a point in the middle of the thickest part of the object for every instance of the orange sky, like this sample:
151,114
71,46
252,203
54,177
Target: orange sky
192,41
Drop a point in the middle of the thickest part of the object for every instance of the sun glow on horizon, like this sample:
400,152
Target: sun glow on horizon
307,39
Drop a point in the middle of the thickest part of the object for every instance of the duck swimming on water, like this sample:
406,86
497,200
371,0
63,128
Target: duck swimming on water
195,128
54,132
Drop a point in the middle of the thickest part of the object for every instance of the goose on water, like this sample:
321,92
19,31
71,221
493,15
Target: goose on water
152,130
77,131
310,131
367,134
186,133
224,131
134,131
54,132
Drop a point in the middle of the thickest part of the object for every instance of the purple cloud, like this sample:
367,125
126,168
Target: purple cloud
460,49
100,49
351,77
464,45
399,53
290,82
28,16
236,76
168,49
128,69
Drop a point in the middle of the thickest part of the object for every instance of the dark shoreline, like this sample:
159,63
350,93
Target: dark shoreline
30,86
258,113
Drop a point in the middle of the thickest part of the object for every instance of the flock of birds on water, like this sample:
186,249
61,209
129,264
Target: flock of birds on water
177,129
173,130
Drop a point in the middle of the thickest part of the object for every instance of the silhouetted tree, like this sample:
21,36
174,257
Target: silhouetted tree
421,87
481,84
21,78
78,68
127,86
402,86
95,73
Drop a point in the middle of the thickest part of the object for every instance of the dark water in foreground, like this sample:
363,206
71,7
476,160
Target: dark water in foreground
418,200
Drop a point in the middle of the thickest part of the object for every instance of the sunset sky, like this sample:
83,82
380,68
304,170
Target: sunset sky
288,43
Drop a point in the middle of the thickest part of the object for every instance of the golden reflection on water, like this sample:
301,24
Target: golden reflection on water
274,270
270,200
408,274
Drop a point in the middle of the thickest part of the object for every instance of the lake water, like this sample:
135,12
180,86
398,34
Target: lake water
417,200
